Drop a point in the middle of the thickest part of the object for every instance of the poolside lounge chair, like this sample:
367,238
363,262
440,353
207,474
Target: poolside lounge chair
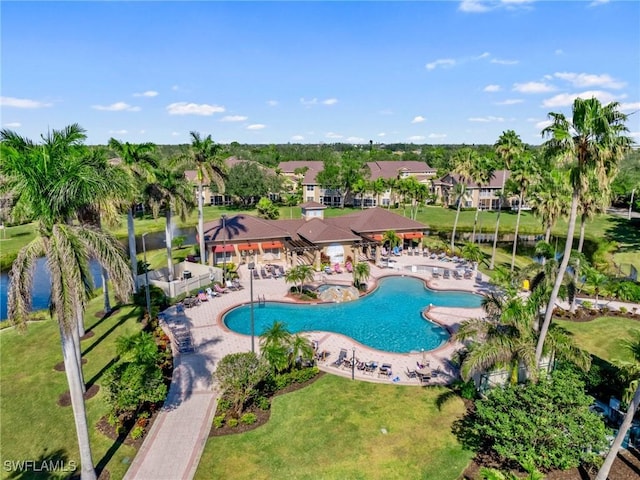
341,357
256,275
370,367
280,269
436,272
446,274
263,273
457,275
327,270
468,274
411,373
348,267
385,369
396,251
410,252
219,289
479,277
203,296
337,268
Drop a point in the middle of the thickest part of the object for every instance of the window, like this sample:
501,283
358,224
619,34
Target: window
310,188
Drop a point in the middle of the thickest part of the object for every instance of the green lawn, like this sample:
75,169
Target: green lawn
333,429
603,337
32,425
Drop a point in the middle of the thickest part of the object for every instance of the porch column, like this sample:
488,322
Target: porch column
317,260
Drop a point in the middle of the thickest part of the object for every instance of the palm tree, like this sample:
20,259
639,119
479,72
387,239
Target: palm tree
472,252
138,161
593,141
204,154
391,238
170,191
550,198
301,274
597,280
378,188
508,147
523,173
603,473
361,273
463,163
481,173
593,200
48,184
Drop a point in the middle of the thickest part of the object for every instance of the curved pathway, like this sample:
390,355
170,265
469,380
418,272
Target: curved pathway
177,438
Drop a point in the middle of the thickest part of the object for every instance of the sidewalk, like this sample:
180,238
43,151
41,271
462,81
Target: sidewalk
174,445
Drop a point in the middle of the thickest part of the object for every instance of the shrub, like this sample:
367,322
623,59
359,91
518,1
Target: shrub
137,432
249,418
587,304
232,422
263,403
224,404
623,309
218,421
466,390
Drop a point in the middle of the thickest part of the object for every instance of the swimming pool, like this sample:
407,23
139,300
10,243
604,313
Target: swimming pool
389,319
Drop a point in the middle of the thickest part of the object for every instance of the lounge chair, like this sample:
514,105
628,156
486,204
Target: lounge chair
370,367
446,274
396,251
410,252
337,268
263,273
219,289
411,373
348,267
468,274
385,369
327,270
436,272
457,275
341,358
479,277
232,285
203,297
281,270
256,275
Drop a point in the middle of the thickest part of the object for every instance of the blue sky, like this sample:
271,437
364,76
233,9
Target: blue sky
311,72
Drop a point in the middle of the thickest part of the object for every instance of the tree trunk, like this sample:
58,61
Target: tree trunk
105,290
515,238
455,225
75,337
203,260
77,404
603,473
475,224
168,239
495,237
560,275
547,234
132,248
583,223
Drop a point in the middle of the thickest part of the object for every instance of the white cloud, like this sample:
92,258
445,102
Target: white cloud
184,108
313,101
492,88
566,99
443,62
510,101
418,119
118,132
533,87
234,118
175,134
630,107
543,124
435,136
504,62
355,140
256,126
12,125
559,52
635,135
333,135
297,138
483,55
272,103
382,134
487,119
597,3
22,103
473,6
148,93
116,107
416,138
330,101
587,80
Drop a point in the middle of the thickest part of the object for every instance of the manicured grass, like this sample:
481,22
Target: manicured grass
603,337
33,425
332,429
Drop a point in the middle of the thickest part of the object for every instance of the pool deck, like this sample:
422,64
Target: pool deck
177,438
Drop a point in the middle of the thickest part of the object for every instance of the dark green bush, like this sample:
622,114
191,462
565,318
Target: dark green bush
232,422
263,403
218,421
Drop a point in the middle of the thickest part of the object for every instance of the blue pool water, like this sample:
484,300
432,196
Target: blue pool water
389,319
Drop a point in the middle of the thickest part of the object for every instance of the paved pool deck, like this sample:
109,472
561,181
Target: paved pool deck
177,438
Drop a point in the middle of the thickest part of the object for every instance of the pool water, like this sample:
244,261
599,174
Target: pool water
389,319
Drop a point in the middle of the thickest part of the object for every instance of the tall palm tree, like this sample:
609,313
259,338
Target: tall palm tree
592,141
138,161
603,473
550,197
170,191
48,184
391,238
299,274
508,147
205,155
523,173
481,173
463,165
592,201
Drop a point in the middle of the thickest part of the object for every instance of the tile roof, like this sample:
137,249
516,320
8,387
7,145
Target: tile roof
320,231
